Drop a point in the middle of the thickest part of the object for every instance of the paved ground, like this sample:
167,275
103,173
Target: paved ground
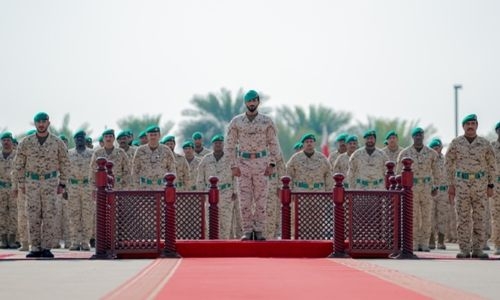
73,276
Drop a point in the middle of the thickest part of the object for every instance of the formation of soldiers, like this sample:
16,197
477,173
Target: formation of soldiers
456,195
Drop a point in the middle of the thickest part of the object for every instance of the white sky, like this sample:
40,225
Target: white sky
104,60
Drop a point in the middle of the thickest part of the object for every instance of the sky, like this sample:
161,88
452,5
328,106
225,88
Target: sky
101,61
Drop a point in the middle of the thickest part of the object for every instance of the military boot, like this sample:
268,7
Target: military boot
479,254
432,241
441,244
4,243
463,254
247,236
12,242
258,236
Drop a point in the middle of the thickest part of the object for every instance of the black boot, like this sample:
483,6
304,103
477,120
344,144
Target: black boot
258,236
248,236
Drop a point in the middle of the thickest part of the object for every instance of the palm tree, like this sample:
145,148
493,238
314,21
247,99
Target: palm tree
138,124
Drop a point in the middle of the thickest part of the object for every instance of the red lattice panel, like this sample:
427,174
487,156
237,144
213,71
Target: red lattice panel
191,215
314,216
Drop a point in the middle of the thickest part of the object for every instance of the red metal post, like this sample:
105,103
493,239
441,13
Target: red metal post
393,183
339,224
407,217
286,199
111,176
390,165
170,249
213,209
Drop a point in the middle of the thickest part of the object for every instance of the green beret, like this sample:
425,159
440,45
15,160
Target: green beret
298,146
167,138
101,139
136,143
386,142
122,134
217,138
63,137
14,140
341,137
108,131
497,126
435,142
142,134
250,95
197,135
187,144
152,128
471,117
6,135
30,132
370,132
351,138
307,136
80,132
87,139
391,133
41,116
416,131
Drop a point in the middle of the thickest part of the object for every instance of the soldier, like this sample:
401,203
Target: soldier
495,199
123,139
182,182
425,185
42,167
62,217
80,203
310,170
121,165
471,171
392,147
193,162
199,150
341,165
273,207
253,147
341,148
440,208
143,138
89,143
151,162
218,164
367,165
8,203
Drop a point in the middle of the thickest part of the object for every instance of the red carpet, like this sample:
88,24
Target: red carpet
263,278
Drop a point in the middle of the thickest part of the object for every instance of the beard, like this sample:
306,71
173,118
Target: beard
252,108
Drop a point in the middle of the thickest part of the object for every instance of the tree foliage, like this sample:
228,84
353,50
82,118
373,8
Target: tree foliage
138,124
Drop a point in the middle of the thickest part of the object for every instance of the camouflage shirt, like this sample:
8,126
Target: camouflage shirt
367,171
496,149
80,165
310,173
6,170
425,166
121,166
182,172
392,155
150,166
193,171
209,167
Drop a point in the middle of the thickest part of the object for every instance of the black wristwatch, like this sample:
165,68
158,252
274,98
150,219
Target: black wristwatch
62,185
491,185
272,165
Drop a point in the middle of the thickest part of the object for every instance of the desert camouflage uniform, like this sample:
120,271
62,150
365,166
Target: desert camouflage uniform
367,171
392,155
426,174
121,167
39,169
193,171
332,158
310,174
202,153
470,167
273,208
252,145
22,215
150,166
81,207
495,200
182,182
440,209
8,204
341,165
227,184
130,153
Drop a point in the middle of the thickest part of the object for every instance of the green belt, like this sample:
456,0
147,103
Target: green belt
274,175
305,185
498,178
367,182
225,186
118,179
151,181
421,180
4,184
78,181
35,176
467,176
248,155
443,188
179,184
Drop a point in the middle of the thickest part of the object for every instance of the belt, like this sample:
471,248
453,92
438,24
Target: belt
4,184
225,186
470,176
421,180
248,155
498,178
179,184
274,175
443,188
78,181
151,181
305,185
369,182
35,176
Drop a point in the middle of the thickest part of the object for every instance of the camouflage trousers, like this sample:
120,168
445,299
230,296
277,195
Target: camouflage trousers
452,224
495,217
252,193
440,211
226,213
22,218
422,202
273,212
8,212
41,198
62,221
469,204
80,212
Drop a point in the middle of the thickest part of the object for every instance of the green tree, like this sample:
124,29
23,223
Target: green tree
138,124
382,125
66,131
